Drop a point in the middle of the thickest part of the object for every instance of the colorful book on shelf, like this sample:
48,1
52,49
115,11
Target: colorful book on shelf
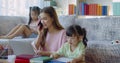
104,10
82,8
71,9
41,59
116,8
99,10
86,9
90,9
93,9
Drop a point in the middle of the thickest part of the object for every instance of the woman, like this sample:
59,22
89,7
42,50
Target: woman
51,35
26,31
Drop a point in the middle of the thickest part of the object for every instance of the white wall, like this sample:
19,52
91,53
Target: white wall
63,4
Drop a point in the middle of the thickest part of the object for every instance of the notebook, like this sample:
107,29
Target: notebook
21,47
26,56
42,59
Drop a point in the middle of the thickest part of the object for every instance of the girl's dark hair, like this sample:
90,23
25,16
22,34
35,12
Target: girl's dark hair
35,9
77,31
52,13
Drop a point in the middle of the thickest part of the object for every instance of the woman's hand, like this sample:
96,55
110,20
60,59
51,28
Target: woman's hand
40,52
43,53
55,56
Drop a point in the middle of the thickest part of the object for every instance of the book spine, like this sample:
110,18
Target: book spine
104,10
71,9
116,8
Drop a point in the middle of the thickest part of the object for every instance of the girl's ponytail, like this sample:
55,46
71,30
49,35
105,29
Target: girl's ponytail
84,37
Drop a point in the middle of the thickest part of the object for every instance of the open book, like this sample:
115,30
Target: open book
62,59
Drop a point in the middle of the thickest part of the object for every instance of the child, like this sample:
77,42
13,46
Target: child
75,47
27,31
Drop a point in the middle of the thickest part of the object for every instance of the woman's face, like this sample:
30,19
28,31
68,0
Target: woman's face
34,15
46,20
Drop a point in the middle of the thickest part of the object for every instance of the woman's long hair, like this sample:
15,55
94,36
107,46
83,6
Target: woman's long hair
52,13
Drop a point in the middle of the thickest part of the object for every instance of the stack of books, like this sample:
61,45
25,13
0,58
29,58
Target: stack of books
26,58
42,59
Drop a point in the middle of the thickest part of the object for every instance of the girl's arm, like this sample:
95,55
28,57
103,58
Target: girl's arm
78,59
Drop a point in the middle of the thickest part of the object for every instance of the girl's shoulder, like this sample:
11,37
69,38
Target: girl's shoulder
81,45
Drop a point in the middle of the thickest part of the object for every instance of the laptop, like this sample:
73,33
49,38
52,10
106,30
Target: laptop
22,47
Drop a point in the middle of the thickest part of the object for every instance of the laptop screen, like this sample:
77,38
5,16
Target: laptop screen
22,46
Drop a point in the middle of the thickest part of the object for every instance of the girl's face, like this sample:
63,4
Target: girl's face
34,15
74,40
46,20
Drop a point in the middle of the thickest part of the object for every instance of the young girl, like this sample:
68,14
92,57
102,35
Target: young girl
27,31
75,47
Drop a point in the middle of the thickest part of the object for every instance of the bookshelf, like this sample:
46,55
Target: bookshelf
97,8
94,7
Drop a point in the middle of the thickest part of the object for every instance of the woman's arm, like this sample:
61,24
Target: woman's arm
44,53
37,43
38,49
55,55
38,39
